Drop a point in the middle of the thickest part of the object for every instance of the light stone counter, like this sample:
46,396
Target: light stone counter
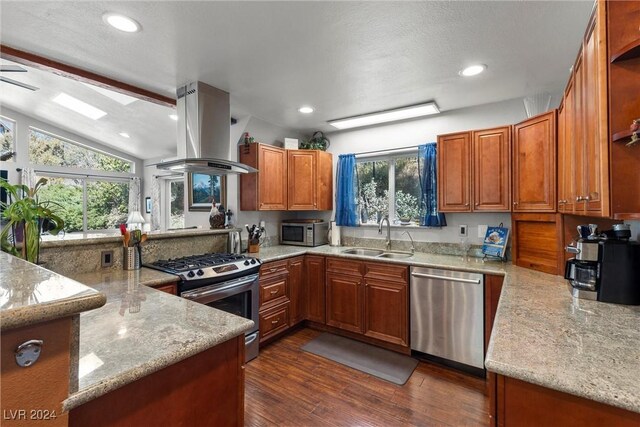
141,330
30,294
541,334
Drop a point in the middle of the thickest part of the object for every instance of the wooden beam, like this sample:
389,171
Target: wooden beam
78,74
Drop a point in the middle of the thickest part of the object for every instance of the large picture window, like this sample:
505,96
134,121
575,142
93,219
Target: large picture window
389,186
50,150
88,204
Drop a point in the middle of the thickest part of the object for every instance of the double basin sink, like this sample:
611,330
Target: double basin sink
378,253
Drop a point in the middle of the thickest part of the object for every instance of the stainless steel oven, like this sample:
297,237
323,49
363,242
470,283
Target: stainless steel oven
237,296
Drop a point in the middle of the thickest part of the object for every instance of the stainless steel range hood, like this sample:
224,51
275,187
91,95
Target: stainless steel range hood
204,121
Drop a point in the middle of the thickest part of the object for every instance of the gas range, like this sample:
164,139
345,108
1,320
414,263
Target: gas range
211,268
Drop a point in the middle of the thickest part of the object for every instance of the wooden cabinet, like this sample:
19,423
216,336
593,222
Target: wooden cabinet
310,180
524,404
265,190
475,166
386,314
286,179
314,274
596,173
534,164
274,310
491,178
171,288
454,172
369,300
344,294
537,242
297,290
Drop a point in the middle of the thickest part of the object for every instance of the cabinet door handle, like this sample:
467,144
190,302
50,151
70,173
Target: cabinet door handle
515,203
273,292
466,204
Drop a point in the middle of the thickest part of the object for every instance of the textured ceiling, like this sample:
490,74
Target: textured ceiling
343,58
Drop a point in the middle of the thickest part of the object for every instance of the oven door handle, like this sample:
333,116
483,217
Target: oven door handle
197,294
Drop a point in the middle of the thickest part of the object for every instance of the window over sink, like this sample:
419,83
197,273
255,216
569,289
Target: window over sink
390,186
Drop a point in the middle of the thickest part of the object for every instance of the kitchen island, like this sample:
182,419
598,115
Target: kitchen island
144,357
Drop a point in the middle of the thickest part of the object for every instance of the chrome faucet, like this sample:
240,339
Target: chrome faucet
413,248
386,218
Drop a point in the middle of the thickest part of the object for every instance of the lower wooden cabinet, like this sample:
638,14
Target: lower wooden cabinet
297,290
274,320
523,404
344,301
171,288
314,273
386,314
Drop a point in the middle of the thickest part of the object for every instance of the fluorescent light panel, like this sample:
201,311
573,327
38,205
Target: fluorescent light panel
386,116
120,98
78,106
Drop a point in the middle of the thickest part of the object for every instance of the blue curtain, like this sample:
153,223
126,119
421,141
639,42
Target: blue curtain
347,191
427,165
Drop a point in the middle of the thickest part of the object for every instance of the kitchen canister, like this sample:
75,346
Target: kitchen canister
131,258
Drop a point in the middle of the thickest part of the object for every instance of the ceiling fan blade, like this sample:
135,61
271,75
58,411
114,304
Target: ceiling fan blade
12,69
17,83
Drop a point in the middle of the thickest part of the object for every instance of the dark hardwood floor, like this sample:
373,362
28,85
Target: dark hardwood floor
286,386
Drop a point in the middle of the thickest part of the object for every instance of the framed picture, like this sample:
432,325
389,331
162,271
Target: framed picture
147,204
204,189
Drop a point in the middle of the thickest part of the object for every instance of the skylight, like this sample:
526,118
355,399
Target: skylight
78,106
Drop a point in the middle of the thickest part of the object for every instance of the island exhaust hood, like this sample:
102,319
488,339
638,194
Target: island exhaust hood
204,121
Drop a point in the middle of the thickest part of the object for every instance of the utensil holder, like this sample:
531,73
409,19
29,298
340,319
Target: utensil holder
131,259
254,246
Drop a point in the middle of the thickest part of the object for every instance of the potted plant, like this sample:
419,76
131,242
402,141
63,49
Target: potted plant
27,213
317,142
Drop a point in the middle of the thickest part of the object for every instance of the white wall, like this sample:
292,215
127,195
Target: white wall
21,160
421,131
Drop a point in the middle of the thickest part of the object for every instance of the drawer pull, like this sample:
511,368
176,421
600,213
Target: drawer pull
273,292
273,269
275,322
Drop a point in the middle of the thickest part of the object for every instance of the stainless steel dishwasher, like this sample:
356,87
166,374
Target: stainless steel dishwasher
447,315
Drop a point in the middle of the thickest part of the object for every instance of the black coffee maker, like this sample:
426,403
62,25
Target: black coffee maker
606,269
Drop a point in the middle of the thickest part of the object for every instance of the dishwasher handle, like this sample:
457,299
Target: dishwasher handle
450,279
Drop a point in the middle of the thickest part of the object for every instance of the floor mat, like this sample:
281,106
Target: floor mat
381,363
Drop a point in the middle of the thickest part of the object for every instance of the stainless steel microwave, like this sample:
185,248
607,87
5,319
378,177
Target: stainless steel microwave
304,233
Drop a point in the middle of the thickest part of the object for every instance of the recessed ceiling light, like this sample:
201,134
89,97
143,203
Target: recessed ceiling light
124,135
387,116
173,117
121,22
78,106
473,70
305,110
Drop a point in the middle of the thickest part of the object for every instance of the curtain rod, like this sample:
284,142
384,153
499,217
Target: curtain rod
398,150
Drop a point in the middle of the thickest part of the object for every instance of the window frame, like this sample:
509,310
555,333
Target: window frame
84,178
165,200
15,137
391,159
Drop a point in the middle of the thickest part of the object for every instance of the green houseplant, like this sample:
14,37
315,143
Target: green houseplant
26,211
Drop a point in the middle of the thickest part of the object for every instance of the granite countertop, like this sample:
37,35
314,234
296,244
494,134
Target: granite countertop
80,239
31,294
141,330
541,334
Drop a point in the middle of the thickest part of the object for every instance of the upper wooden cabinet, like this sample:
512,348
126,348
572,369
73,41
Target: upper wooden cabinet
454,172
534,164
310,180
491,154
597,173
265,190
286,179
475,166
